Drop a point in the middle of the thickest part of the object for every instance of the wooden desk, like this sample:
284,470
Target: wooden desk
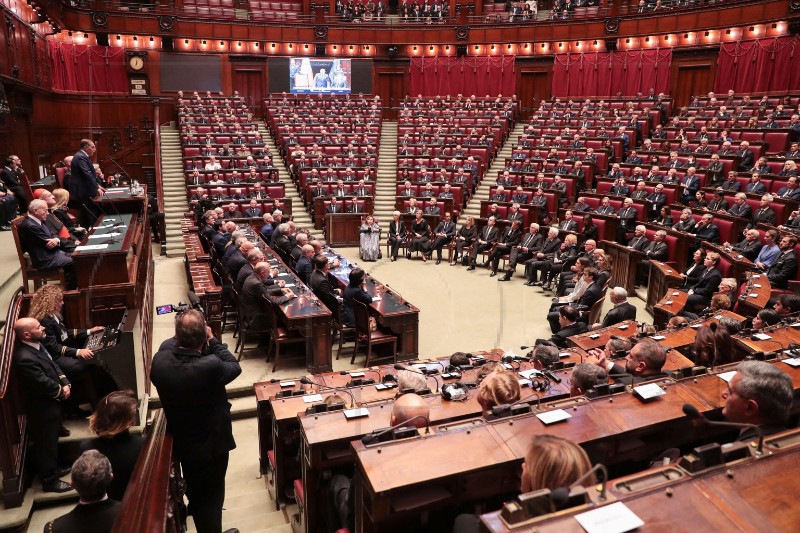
662,278
754,295
599,337
740,265
390,496
780,340
683,337
625,262
341,229
392,311
109,265
708,500
318,207
670,304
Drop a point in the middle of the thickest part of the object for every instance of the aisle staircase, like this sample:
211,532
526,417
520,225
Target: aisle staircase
299,214
174,186
386,174
490,178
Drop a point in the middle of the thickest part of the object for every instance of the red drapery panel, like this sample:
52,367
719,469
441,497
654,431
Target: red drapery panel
609,73
482,75
758,66
79,68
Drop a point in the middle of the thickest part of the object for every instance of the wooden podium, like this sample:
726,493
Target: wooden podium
662,278
341,229
625,261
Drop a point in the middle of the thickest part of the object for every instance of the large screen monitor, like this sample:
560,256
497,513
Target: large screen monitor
309,75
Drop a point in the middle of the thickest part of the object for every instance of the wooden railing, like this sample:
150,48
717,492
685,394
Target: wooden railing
153,501
12,415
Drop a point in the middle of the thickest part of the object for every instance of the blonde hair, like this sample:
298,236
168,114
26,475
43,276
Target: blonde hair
61,196
553,462
499,387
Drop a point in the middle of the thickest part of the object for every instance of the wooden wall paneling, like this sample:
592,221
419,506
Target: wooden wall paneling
5,46
390,82
693,72
250,79
534,83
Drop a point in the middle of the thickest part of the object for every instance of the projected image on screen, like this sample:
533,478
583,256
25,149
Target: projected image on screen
308,75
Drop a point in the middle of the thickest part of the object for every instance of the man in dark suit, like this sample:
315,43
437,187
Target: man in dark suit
764,214
627,220
508,240
655,250
790,190
524,250
238,258
95,512
643,363
321,283
639,240
303,266
222,237
281,241
44,246
550,247
443,234
621,311
569,223
83,184
746,157
190,379
10,178
252,210
785,266
259,290
740,207
45,387
486,239
568,326
749,246
705,230
708,283
759,394
690,184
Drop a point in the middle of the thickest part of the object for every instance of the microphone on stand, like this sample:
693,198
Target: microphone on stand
306,381
373,437
692,412
398,366
561,496
355,382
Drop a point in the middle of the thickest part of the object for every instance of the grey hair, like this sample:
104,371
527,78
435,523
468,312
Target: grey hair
770,388
586,376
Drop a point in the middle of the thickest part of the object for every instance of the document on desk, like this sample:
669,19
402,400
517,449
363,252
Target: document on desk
91,247
551,417
614,518
104,235
311,398
727,376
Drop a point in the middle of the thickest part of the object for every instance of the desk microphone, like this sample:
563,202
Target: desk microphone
372,437
561,496
306,381
508,408
398,366
692,412
360,381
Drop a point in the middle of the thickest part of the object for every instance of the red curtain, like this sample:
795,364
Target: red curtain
758,66
609,73
79,68
433,76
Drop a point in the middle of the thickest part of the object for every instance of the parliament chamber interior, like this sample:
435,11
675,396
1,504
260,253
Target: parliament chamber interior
417,265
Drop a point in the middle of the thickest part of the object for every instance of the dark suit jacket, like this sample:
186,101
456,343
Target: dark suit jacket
10,178
397,229
551,247
488,234
591,295
255,296
708,233
122,451
560,338
83,180
531,242
191,387
749,249
95,517
707,283
42,379
656,251
686,226
282,243
53,342
617,369
235,263
568,225
322,287
766,216
620,313
639,243
783,269
303,269
510,237
32,237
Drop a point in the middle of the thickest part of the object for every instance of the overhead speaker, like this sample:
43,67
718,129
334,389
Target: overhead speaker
611,45
102,39
392,51
461,50
167,44
319,49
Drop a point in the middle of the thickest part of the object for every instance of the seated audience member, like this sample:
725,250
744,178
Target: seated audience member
591,294
731,324
111,422
524,250
573,281
322,282
765,318
621,311
643,363
585,377
498,388
568,325
354,292
565,258
551,462
785,266
787,304
712,347
705,230
707,284
759,393
677,322
340,491
655,250
411,381
769,252
749,247
95,512
719,302
545,355
548,250
42,245
484,242
457,360
303,267
419,235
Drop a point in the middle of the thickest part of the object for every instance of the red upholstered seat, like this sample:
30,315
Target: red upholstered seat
298,492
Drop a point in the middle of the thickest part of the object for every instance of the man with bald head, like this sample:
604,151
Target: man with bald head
259,290
304,266
407,407
45,386
238,258
44,246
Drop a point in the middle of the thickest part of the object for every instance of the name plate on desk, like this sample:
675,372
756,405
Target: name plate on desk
649,391
92,247
727,376
287,383
360,412
793,362
762,337
311,398
551,417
